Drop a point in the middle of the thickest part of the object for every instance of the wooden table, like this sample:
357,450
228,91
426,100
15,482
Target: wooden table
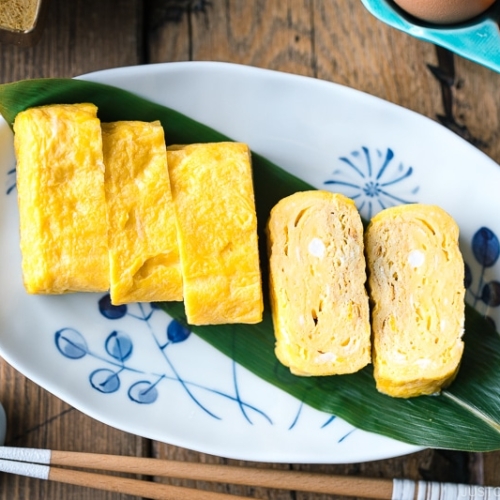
334,40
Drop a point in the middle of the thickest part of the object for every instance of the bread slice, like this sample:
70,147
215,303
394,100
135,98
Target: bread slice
212,189
416,282
317,284
62,208
143,251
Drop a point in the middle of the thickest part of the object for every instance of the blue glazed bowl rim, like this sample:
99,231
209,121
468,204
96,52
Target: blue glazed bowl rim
477,39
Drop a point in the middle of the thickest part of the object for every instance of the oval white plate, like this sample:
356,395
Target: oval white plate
134,369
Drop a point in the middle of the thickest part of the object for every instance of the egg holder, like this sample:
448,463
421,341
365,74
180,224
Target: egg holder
477,39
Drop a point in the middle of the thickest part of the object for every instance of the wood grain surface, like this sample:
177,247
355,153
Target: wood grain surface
337,41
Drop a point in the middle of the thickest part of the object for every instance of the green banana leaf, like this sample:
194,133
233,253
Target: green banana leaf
466,416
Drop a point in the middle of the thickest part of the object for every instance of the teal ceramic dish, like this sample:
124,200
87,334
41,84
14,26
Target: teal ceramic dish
477,39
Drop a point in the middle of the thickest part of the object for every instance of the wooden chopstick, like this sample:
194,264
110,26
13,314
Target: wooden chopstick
250,476
144,489
267,478
40,463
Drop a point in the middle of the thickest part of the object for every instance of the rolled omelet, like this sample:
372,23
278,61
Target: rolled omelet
62,208
416,282
213,194
317,284
143,251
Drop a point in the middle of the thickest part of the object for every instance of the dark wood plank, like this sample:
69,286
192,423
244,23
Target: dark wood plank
489,464
275,35
168,31
476,105
355,49
79,37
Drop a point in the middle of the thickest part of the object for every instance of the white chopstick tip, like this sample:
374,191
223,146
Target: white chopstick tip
403,489
25,469
25,454
452,491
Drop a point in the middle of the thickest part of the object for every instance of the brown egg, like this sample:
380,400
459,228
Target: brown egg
444,11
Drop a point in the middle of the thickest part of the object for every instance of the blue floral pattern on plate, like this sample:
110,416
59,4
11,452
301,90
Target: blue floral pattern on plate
11,180
144,386
483,292
374,179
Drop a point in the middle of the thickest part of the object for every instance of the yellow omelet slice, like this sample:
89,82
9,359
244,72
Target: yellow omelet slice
416,282
143,251
317,274
60,183
217,228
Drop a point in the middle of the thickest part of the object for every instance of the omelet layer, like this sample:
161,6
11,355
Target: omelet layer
217,230
143,250
417,290
60,183
317,284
